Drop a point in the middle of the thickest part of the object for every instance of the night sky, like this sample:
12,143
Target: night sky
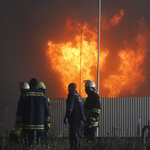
27,26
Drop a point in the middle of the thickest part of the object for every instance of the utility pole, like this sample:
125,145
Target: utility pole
99,22
98,67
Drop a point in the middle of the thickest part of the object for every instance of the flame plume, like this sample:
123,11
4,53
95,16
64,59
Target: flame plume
130,67
65,57
74,60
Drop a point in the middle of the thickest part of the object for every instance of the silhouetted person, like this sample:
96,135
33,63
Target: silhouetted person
75,117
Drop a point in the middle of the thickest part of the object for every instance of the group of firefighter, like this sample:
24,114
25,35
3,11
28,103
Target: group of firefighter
33,114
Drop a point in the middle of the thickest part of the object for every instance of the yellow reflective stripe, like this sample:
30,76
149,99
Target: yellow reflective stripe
47,118
95,110
49,125
95,124
91,124
33,94
48,100
33,126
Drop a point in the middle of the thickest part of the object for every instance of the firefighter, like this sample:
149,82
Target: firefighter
33,112
92,110
75,117
42,87
17,131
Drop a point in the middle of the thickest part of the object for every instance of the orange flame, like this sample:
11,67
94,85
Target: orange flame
117,18
74,60
75,63
113,22
130,67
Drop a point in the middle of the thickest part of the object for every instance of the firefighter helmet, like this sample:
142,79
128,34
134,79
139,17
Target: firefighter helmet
24,86
41,85
16,132
89,83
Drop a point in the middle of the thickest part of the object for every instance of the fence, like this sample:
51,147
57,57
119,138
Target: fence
124,116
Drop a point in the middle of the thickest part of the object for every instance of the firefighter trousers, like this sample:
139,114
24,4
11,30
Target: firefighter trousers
89,133
76,133
34,136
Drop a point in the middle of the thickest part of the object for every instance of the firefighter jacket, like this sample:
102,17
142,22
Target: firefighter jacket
33,110
75,107
92,109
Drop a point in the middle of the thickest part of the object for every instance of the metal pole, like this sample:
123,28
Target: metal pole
99,21
98,68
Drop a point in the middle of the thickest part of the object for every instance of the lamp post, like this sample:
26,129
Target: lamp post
98,67
99,21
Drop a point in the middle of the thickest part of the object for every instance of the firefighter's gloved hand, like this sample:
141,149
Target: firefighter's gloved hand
90,121
47,127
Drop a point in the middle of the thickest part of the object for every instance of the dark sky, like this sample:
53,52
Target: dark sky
27,26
